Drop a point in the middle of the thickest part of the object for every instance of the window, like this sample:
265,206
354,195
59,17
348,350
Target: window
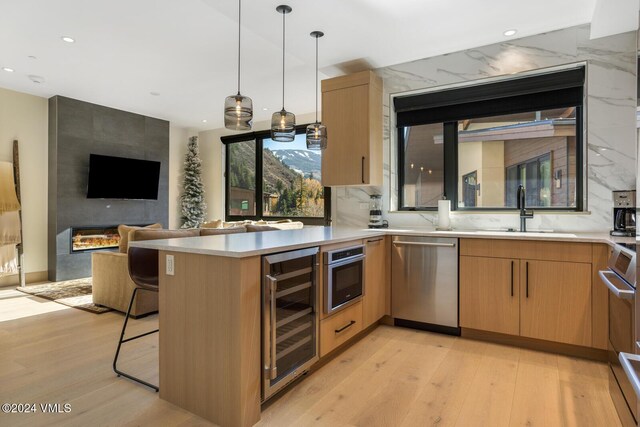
535,176
519,149
288,177
423,166
477,148
241,178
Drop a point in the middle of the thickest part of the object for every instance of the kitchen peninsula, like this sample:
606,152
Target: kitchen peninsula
210,305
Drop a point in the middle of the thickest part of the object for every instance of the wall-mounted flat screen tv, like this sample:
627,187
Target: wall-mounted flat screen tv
122,178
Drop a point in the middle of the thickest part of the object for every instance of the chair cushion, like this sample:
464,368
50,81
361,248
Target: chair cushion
124,230
217,231
212,224
287,225
143,267
236,223
257,228
144,234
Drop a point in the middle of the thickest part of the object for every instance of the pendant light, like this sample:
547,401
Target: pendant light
238,109
283,123
316,132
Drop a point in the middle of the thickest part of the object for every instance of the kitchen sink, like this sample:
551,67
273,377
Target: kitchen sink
533,233
515,230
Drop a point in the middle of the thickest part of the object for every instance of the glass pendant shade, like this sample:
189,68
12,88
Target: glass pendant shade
316,132
316,136
238,109
283,126
238,112
283,123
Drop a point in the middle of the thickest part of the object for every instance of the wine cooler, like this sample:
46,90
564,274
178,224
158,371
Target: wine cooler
290,317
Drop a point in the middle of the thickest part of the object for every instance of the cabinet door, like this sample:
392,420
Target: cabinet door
489,294
555,301
376,282
345,113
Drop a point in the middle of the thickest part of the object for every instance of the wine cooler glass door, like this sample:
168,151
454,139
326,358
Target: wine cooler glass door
290,290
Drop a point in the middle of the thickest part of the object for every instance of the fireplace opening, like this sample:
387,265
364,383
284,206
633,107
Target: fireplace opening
94,238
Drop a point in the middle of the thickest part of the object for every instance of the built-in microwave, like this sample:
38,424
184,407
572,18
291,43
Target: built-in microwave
343,277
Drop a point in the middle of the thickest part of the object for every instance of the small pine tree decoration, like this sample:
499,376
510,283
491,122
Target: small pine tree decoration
194,208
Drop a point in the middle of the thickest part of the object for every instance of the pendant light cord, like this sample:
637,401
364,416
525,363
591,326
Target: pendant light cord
283,37
239,25
316,79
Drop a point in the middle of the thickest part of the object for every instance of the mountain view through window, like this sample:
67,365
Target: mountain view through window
291,179
273,179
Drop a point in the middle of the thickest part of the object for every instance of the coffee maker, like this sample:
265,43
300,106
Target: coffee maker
375,212
624,213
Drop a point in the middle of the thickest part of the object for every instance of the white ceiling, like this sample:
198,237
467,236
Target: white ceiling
613,17
186,50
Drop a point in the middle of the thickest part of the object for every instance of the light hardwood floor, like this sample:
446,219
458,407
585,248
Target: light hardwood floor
392,377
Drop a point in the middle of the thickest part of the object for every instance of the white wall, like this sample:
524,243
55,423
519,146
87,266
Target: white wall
212,154
178,138
25,118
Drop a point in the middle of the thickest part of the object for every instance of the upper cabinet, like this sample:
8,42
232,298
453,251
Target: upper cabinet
352,113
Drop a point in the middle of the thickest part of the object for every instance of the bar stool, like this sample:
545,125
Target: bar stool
143,270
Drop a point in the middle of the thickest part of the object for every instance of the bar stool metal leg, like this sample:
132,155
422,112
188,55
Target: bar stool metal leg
122,341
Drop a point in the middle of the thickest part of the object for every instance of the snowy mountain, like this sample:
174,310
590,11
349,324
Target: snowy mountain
302,161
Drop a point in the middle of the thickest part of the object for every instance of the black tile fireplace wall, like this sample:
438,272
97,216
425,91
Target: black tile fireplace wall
77,129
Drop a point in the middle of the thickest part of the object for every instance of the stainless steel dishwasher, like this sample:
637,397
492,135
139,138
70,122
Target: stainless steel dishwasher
424,283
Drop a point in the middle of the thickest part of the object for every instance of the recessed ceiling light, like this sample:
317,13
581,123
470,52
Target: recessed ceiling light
154,93
265,109
32,57
8,70
68,39
36,79
204,121
510,33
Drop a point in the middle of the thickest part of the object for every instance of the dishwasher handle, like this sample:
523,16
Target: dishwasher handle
629,370
622,292
430,244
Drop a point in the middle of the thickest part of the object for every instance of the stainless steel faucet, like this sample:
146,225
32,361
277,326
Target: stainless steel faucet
524,215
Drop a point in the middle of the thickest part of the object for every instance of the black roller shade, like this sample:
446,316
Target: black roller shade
545,91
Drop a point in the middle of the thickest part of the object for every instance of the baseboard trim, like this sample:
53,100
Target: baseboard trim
33,277
535,344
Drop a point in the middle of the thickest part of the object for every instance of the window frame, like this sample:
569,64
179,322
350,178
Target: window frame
259,137
450,141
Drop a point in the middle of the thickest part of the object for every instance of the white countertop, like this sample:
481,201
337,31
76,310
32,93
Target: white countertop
252,244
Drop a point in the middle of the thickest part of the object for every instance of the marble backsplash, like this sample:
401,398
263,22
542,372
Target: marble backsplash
610,130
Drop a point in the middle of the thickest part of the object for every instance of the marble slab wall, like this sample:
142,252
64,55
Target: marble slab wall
610,131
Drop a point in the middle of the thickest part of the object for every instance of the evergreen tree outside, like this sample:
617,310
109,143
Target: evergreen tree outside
193,206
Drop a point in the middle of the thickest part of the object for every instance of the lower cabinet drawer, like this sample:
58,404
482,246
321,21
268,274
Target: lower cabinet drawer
337,329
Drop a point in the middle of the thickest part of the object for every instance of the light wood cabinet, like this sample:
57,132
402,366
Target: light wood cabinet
555,301
552,296
490,294
376,282
340,327
352,113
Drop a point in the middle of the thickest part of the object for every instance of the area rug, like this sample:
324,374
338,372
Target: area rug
73,293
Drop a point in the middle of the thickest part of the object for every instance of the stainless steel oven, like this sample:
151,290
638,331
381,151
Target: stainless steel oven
343,277
620,279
